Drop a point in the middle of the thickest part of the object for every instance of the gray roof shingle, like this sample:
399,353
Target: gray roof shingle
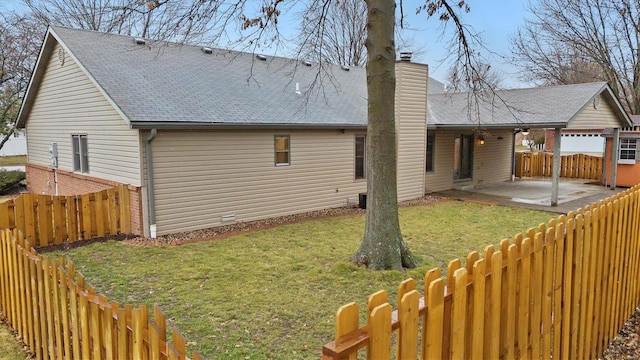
533,107
164,82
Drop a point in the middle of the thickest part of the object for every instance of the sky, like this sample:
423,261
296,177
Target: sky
495,20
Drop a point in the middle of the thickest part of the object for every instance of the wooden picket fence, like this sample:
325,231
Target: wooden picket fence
58,316
562,291
576,166
53,220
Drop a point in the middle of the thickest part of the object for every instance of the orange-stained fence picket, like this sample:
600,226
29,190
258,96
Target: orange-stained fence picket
53,220
563,290
576,166
58,316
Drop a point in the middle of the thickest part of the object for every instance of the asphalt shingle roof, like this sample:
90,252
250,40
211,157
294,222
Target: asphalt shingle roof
550,105
177,83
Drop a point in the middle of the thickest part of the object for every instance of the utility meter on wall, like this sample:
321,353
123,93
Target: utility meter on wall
53,152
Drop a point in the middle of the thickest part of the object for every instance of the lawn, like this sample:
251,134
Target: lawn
10,349
13,160
274,293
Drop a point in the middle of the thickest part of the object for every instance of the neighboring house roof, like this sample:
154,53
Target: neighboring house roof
549,106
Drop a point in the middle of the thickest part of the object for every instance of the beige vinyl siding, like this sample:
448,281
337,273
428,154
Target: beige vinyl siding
492,161
411,121
205,175
441,178
68,103
595,118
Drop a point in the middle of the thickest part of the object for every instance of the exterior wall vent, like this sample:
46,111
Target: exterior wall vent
306,63
139,41
228,217
405,56
61,56
206,50
344,67
261,57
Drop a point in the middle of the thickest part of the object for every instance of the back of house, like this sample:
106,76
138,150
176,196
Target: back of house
207,137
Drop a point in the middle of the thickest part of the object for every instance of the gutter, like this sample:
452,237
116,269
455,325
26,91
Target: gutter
495,126
197,125
150,192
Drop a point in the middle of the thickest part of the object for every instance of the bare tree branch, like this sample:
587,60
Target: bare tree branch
573,41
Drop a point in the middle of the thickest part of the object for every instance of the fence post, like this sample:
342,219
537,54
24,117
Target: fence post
478,310
380,326
492,330
180,343
432,333
458,314
408,334
125,209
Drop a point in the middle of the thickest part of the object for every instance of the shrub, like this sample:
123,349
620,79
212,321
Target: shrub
10,178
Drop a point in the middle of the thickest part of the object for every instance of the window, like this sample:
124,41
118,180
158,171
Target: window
80,153
628,150
360,152
430,143
281,144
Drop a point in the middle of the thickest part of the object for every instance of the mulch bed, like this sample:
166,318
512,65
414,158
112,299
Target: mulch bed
626,345
225,231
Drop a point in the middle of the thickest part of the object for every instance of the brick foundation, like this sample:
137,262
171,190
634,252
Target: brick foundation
41,180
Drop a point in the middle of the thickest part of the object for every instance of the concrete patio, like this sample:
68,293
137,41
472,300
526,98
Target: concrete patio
535,193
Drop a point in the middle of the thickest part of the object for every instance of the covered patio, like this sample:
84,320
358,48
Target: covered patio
588,107
535,193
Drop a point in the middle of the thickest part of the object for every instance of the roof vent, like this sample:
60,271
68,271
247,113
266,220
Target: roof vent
261,57
344,67
139,41
405,56
206,50
306,63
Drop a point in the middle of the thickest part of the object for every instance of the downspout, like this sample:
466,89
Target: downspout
150,192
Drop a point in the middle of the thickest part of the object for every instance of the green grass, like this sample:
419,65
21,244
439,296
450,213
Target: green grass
13,160
10,349
274,293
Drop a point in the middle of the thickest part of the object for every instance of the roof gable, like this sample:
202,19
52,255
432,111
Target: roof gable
49,44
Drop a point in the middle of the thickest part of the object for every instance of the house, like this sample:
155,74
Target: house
588,142
628,154
15,145
206,137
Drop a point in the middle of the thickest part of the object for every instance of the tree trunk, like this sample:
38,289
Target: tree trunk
382,246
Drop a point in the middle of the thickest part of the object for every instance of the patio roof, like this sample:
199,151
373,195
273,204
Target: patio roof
542,107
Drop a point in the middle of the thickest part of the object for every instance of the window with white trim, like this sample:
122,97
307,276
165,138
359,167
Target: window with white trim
282,150
628,149
80,153
360,157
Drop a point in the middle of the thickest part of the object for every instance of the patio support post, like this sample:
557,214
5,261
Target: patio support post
513,155
555,178
615,148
